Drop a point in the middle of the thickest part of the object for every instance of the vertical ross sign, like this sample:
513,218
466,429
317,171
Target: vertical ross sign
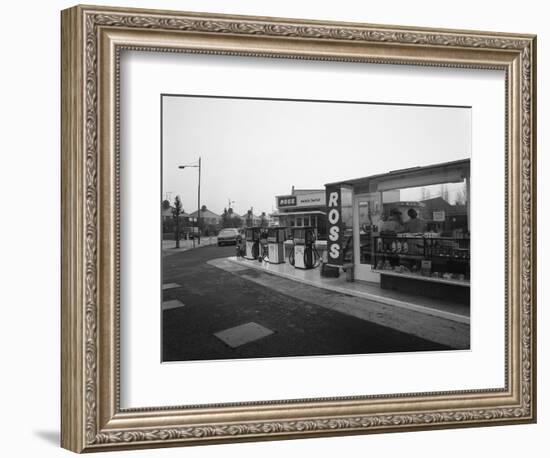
335,246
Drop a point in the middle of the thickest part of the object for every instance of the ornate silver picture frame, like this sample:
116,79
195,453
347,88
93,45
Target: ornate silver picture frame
93,40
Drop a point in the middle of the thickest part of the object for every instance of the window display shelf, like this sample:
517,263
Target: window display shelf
449,258
426,254
400,255
447,281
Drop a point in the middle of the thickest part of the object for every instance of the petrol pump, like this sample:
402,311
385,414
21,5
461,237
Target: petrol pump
263,244
276,245
252,237
304,255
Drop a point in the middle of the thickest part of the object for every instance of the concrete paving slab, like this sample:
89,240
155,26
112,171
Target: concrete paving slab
245,333
166,286
173,304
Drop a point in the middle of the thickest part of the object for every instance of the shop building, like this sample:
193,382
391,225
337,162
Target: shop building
302,208
385,227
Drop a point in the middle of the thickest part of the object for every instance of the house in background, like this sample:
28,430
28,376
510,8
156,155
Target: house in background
444,217
250,219
168,215
208,217
169,223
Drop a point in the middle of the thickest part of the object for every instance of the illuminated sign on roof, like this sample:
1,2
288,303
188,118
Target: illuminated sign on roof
314,199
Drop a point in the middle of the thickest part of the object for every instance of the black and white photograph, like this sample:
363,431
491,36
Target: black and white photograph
295,228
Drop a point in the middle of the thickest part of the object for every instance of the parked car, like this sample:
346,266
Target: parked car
228,236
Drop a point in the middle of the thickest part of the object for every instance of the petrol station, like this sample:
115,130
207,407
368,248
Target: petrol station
365,236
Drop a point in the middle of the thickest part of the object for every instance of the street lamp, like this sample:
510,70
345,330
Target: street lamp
198,197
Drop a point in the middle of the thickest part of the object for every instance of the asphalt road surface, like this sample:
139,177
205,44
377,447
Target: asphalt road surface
214,300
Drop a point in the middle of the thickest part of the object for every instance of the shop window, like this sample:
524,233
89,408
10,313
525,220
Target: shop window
370,220
442,209
425,231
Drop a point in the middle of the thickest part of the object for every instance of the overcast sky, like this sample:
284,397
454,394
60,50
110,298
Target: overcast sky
253,150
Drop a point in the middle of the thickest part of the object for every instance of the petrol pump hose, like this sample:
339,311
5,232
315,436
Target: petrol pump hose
265,253
256,250
316,254
314,251
291,255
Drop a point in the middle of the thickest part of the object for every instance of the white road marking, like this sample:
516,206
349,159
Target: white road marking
242,334
173,304
166,286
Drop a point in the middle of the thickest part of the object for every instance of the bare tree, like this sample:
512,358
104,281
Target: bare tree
230,218
176,212
264,221
445,192
425,193
461,196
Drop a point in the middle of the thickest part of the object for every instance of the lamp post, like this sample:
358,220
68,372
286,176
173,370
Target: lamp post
198,198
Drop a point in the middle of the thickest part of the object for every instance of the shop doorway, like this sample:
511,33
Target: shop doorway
367,214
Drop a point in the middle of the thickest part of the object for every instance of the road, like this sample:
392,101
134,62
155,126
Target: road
213,300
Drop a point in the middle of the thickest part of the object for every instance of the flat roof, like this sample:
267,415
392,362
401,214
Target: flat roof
295,213
301,192
404,172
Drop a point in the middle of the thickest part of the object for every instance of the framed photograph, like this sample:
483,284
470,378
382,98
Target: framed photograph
278,228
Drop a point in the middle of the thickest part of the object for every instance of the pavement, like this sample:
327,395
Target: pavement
447,309
217,311
169,246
